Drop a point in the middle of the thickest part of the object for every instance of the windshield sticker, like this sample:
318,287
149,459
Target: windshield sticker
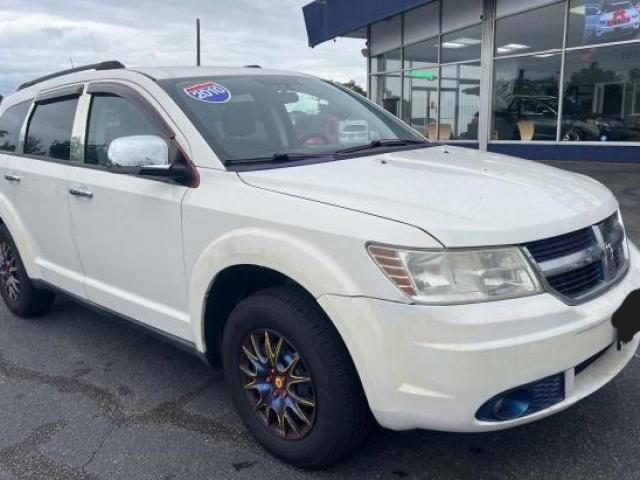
209,92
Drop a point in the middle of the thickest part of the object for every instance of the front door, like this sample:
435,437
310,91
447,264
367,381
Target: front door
128,227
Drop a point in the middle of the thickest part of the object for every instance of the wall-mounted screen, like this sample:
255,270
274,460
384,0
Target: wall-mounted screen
600,21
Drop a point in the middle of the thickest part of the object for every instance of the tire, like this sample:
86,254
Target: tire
340,419
19,293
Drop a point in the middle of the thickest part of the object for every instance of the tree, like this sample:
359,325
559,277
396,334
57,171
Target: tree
353,86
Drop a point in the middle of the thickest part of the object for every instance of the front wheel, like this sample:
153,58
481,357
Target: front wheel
292,380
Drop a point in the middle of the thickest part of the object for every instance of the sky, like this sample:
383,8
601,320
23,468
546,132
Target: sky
40,36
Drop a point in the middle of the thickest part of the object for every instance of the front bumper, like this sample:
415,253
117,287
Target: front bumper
602,31
433,367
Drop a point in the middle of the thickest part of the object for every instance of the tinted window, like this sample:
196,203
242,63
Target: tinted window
459,102
421,55
525,98
602,95
10,126
420,103
49,131
387,61
462,45
113,117
539,29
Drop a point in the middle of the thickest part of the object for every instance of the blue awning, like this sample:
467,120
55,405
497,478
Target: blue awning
328,19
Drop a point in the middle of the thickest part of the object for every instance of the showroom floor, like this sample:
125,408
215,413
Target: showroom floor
84,397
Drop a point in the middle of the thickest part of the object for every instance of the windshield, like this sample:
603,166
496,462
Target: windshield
266,117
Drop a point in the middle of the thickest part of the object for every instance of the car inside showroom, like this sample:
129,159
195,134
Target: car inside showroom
534,78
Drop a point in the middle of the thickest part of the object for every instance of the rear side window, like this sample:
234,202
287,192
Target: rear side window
10,126
113,117
50,127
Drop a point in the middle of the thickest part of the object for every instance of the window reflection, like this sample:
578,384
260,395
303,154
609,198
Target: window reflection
462,45
420,102
536,30
387,91
421,55
525,98
49,132
602,95
388,61
459,102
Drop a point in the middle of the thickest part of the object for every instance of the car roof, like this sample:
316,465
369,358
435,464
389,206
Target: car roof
135,73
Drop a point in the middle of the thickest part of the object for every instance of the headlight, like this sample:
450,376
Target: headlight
443,277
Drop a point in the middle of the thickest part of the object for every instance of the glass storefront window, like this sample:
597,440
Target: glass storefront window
602,95
387,91
421,55
598,21
462,45
535,30
459,102
525,98
420,102
422,22
460,13
386,62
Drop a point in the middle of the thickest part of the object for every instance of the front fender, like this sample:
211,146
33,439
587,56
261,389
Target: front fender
304,263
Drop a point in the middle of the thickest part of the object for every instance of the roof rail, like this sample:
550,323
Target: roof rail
109,65
252,66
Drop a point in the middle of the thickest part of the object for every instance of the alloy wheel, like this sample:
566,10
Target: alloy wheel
278,384
8,272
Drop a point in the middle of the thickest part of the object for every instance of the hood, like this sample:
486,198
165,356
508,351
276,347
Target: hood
460,196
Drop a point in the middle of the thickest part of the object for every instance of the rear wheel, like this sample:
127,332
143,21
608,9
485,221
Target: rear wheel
292,380
18,291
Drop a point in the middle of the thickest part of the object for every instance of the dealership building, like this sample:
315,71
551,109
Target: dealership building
536,78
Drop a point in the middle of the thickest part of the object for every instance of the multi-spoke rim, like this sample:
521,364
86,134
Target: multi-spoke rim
8,272
278,384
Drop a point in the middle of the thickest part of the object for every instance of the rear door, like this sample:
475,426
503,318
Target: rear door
37,188
128,227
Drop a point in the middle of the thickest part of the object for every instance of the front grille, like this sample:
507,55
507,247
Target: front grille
546,392
556,247
579,264
577,282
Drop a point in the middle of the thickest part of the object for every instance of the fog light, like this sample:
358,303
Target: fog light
506,406
512,405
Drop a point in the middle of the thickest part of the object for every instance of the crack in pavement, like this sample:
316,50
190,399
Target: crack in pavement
104,400
26,462
95,452
171,412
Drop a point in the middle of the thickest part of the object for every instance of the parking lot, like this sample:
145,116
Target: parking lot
84,397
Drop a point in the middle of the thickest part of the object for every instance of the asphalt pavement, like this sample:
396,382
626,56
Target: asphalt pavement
85,397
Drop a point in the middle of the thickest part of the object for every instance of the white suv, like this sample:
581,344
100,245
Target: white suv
432,286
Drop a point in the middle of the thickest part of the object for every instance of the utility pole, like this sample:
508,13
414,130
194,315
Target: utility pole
198,42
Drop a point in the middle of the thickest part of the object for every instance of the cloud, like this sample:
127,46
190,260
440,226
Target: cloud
42,37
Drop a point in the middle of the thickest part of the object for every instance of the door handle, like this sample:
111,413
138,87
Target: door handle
76,192
12,178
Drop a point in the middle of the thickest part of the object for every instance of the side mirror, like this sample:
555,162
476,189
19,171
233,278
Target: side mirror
138,151
177,172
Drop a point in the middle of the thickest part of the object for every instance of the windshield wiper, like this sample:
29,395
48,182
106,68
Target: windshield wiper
279,158
383,143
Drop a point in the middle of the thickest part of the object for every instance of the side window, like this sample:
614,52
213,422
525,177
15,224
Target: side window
50,127
10,126
114,118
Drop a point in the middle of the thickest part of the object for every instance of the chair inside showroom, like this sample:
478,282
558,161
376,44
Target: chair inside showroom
527,130
446,132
